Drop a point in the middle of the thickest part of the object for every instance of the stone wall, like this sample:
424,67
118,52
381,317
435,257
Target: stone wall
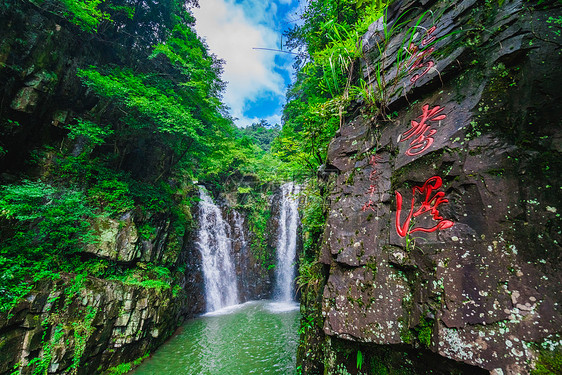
443,234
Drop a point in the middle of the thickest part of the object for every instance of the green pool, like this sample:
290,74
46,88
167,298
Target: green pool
258,337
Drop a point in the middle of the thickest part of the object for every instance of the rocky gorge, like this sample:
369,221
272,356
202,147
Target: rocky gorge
91,322
433,246
85,325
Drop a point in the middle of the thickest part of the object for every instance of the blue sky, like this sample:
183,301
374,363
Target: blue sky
257,79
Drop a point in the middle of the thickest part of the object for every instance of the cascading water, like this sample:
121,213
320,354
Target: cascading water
216,252
287,243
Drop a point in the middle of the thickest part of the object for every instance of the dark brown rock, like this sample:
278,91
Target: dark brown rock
485,290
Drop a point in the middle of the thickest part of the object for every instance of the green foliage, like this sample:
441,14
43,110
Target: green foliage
126,367
307,323
262,134
95,267
147,275
331,32
51,219
76,285
548,363
48,224
151,198
11,290
41,363
82,331
135,91
424,331
313,220
94,133
359,359
257,206
113,195
309,273
378,368
146,231
85,13
127,11
314,215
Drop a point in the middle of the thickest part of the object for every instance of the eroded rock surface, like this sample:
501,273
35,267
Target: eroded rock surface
103,324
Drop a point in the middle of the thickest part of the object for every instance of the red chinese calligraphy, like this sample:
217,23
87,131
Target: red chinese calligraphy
430,31
418,56
368,206
421,132
374,161
372,188
430,204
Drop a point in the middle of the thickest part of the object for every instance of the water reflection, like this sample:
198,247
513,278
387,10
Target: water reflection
258,337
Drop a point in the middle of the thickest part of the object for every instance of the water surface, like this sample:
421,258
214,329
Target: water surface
258,337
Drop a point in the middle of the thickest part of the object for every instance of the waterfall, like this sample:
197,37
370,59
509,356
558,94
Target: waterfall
216,253
286,243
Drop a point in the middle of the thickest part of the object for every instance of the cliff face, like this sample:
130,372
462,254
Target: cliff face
85,325
443,234
103,324
40,89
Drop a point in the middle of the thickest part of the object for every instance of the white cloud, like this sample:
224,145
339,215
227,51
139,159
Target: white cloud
232,31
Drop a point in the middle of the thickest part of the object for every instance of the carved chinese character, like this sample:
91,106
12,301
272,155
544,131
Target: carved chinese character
372,190
368,205
430,31
418,56
421,132
432,201
374,160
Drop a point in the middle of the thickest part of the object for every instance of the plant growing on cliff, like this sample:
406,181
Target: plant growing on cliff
258,216
424,331
113,195
86,14
316,102
359,359
82,332
94,133
310,276
126,367
48,224
41,364
52,219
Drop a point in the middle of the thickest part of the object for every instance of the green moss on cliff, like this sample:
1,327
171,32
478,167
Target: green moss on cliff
548,363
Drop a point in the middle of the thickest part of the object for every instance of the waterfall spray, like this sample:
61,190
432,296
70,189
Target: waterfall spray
287,243
216,252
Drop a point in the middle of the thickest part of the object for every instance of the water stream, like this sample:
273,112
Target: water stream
216,252
287,243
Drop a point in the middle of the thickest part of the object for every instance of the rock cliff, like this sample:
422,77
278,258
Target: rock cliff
80,323
442,242
85,325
